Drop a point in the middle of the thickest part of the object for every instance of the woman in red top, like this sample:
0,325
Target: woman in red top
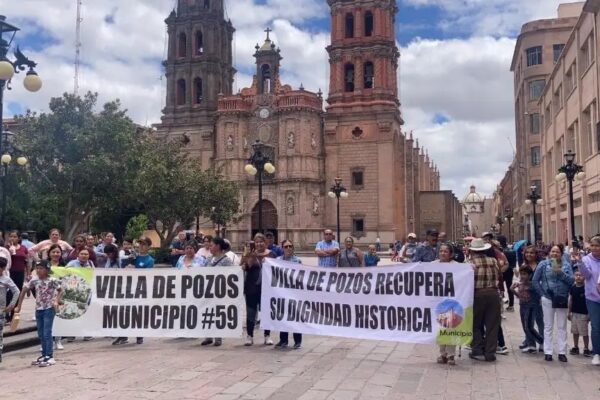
19,256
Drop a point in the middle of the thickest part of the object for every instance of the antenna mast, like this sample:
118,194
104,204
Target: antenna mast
77,48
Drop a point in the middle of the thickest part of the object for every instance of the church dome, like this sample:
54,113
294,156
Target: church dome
473,196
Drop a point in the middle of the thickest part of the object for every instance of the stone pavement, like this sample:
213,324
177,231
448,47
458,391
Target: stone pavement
325,368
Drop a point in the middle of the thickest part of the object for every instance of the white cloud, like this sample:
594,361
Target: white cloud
467,80
490,17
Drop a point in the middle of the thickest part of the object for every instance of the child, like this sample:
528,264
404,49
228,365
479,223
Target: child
371,258
527,302
578,315
6,285
48,294
127,255
142,260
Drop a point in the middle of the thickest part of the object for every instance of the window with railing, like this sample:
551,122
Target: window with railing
535,156
536,88
556,51
534,56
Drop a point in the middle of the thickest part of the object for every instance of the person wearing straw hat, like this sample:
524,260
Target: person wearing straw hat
486,302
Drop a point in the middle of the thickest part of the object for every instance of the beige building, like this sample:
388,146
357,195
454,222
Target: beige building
569,104
478,213
538,48
355,134
441,210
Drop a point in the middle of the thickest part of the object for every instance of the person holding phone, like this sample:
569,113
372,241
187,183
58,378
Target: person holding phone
552,280
252,263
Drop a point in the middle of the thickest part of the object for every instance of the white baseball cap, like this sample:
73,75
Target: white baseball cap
412,235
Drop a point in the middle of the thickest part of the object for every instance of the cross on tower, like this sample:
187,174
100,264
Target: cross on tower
268,30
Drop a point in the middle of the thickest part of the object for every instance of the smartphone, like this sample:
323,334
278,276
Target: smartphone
251,246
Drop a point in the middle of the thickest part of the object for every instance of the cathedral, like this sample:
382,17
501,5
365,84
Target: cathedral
354,134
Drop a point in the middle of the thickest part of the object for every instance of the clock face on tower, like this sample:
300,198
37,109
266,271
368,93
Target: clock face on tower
264,113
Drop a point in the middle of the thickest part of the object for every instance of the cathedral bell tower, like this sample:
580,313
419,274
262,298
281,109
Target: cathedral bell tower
199,62
268,59
362,128
363,56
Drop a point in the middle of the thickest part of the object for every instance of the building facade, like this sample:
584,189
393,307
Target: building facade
441,210
538,48
356,135
478,211
569,103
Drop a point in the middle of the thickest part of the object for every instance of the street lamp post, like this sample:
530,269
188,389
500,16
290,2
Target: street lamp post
508,217
571,171
258,163
337,191
534,199
32,82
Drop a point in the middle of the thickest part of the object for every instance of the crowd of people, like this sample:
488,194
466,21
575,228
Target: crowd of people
554,285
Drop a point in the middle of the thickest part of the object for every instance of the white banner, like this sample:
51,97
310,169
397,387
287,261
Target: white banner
150,302
415,303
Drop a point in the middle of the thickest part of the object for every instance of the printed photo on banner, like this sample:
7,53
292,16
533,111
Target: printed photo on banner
150,303
414,303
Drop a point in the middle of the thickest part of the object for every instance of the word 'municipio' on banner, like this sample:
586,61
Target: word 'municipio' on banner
416,303
150,303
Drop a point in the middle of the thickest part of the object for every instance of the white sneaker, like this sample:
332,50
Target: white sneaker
50,361
249,341
596,360
58,345
268,341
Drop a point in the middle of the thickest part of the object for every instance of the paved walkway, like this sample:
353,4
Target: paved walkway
325,368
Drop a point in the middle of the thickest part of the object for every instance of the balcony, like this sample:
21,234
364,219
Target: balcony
234,104
300,100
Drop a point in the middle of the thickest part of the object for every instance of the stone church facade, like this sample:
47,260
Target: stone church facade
355,135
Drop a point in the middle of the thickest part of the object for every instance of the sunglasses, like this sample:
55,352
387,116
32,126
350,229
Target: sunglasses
288,246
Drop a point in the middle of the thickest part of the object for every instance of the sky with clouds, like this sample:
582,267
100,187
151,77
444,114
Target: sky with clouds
455,85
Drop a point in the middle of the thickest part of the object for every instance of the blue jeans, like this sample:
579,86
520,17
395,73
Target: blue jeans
45,319
594,314
528,317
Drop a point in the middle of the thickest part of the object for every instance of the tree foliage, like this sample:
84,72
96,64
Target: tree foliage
87,166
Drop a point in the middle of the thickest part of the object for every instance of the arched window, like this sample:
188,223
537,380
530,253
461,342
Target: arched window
197,90
369,23
349,25
182,45
349,77
199,42
207,4
181,92
368,75
265,71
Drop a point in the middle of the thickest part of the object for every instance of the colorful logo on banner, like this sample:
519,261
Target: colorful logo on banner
77,291
455,323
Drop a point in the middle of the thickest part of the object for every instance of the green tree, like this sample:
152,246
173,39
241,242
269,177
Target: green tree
172,190
136,226
78,157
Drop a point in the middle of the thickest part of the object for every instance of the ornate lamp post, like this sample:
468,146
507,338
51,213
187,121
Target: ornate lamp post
337,191
533,199
508,217
571,171
258,163
32,82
